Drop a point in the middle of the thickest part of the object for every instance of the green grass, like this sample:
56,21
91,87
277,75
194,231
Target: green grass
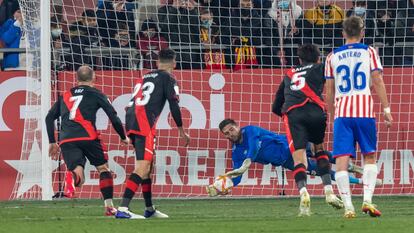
210,215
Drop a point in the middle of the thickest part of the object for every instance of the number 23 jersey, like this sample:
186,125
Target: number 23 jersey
350,66
148,100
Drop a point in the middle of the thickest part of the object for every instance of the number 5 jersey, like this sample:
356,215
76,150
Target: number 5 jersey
301,84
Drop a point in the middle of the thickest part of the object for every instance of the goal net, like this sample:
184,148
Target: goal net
231,58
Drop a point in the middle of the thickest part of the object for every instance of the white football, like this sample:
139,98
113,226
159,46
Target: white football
223,184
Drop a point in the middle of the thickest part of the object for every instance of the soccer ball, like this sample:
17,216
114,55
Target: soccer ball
223,184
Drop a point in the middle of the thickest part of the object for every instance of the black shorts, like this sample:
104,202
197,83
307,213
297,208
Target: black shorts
144,146
75,153
305,124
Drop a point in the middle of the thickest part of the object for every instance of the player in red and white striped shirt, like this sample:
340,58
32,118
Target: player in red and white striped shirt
350,70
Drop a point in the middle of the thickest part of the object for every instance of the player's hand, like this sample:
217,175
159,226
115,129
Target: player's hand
211,191
54,151
388,119
125,141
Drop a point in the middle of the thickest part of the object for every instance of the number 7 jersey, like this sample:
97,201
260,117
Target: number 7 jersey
77,109
350,66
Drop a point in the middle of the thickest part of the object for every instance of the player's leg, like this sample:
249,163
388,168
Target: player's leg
145,173
106,185
141,171
367,140
75,162
343,148
316,126
297,139
95,152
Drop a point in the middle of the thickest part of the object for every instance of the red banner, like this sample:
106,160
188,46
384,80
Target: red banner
206,98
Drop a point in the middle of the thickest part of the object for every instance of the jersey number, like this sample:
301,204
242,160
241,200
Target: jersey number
76,101
147,89
298,81
358,81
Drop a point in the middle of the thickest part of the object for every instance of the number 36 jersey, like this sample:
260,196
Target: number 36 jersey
350,66
77,109
148,100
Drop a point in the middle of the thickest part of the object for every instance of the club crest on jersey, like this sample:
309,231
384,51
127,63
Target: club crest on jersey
150,75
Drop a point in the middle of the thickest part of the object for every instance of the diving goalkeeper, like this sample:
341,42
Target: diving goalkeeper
254,144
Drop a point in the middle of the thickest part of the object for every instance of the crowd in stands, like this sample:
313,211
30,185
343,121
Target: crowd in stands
210,33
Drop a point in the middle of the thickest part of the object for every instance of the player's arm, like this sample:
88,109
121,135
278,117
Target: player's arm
172,92
238,168
379,86
279,100
330,86
52,115
378,83
242,169
113,116
330,96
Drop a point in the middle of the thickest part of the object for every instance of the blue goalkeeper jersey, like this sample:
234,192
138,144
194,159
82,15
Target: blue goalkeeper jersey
261,146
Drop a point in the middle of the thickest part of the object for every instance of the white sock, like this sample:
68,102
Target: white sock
369,179
302,190
342,182
328,189
108,203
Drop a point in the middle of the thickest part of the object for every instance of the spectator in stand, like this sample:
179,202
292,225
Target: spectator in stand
179,24
12,36
385,20
405,32
83,36
111,16
281,29
88,28
129,4
246,32
359,8
7,8
324,24
58,39
221,9
210,36
119,60
389,32
150,43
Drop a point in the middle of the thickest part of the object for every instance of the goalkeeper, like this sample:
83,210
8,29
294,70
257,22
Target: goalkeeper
254,144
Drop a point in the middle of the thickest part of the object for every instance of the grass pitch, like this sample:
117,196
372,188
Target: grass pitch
209,215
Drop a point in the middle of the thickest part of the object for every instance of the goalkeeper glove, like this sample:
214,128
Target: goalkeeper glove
211,191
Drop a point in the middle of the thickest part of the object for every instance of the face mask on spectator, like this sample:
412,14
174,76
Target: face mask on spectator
123,37
360,11
56,33
150,34
206,23
245,12
283,5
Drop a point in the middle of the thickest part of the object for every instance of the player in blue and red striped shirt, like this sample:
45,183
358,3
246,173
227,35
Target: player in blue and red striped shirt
350,70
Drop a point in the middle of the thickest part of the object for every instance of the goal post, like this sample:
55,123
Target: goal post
46,90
